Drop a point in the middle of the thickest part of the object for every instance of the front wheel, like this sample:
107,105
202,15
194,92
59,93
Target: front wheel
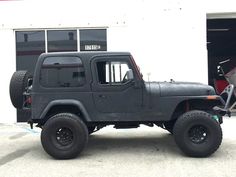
64,136
197,134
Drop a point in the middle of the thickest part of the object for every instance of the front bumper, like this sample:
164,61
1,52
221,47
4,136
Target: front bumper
227,99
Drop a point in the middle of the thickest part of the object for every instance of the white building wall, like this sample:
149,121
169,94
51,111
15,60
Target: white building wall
166,37
7,67
218,6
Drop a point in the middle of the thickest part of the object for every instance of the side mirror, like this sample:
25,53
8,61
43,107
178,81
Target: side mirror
130,74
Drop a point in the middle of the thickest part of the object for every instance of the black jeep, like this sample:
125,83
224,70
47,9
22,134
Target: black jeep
72,95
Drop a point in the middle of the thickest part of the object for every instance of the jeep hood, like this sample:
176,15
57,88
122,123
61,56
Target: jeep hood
179,88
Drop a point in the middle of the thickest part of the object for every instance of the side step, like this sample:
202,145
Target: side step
125,126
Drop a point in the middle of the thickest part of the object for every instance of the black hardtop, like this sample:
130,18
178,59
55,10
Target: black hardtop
83,55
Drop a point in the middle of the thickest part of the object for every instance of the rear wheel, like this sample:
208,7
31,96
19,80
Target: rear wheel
197,134
64,136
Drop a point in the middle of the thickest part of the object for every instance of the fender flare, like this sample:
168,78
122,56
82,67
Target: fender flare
71,102
208,99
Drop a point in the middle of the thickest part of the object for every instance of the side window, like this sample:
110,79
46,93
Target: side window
62,72
112,73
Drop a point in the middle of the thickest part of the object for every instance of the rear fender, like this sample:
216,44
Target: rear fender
67,102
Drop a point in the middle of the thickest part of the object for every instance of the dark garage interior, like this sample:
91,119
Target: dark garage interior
221,46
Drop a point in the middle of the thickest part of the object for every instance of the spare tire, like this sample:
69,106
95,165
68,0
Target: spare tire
18,84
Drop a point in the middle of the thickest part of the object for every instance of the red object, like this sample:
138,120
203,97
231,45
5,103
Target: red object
29,100
220,85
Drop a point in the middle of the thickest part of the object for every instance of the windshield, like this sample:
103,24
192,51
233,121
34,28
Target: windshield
137,69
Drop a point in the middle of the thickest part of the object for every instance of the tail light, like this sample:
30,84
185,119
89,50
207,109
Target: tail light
29,100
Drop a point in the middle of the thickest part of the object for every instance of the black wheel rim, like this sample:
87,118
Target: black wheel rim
64,136
198,134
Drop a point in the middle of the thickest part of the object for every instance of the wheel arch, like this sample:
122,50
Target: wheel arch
201,103
68,105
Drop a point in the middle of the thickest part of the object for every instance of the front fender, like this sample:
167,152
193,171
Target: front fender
172,107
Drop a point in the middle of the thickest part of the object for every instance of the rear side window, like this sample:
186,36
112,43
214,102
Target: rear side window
62,72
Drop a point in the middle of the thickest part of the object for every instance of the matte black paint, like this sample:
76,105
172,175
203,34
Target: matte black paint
134,101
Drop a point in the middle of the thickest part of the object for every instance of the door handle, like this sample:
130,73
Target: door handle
101,96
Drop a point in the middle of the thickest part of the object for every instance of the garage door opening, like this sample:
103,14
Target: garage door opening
221,46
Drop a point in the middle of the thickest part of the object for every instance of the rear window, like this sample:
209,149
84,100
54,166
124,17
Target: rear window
62,72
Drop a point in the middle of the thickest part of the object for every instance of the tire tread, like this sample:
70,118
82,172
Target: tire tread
181,124
80,127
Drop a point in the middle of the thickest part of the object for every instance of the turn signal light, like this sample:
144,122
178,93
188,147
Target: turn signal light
211,97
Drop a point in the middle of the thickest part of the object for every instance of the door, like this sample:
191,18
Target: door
114,91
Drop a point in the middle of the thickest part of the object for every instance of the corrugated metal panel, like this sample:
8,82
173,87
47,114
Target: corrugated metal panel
225,15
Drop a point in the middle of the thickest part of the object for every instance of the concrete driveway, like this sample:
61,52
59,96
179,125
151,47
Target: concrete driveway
110,153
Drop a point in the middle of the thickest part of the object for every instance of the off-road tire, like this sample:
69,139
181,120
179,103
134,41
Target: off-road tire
18,84
197,134
64,136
